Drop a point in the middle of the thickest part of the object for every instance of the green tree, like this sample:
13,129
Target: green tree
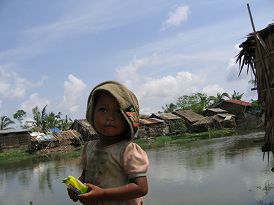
169,107
44,120
221,96
218,99
178,127
37,117
255,105
64,124
19,115
5,123
237,95
196,102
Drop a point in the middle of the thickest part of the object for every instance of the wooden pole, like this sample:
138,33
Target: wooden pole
257,38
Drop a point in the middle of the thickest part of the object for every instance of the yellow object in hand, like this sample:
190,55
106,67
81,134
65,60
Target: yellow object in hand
77,186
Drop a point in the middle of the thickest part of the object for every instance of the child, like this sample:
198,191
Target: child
114,167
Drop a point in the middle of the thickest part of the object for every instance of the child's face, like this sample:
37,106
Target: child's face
108,119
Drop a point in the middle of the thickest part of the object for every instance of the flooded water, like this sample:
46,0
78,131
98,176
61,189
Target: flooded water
222,171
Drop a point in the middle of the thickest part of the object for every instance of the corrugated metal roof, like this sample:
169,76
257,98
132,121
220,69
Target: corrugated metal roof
217,110
224,115
239,102
13,131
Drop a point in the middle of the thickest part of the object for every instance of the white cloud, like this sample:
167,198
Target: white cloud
129,73
155,93
14,86
176,18
212,90
33,101
73,91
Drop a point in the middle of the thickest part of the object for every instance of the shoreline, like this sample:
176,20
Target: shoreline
19,154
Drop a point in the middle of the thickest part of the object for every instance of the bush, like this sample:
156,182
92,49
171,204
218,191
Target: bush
178,127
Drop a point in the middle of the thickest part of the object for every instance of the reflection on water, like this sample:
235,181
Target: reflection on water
217,171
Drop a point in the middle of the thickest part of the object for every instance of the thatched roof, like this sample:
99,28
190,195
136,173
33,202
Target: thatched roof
67,135
165,116
150,121
205,121
84,124
257,54
189,115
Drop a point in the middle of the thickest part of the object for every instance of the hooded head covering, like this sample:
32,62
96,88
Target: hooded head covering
127,100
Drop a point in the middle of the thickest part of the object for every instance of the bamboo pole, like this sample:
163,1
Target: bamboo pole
265,92
260,51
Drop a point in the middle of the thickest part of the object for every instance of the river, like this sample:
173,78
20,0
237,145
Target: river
225,171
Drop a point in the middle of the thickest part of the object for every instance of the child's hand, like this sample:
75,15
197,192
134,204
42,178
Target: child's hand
72,195
95,194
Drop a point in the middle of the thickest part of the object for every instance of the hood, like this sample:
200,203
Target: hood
127,100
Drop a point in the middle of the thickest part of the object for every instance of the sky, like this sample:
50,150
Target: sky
54,52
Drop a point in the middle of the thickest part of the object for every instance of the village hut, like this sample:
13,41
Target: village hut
220,118
68,137
205,123
257,55
190,117
85,129
238,108
213,111
151,127
14,138
169,119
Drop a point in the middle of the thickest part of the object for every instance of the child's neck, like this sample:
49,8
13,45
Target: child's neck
106,141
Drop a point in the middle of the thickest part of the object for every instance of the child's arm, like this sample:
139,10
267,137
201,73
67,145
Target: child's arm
137,188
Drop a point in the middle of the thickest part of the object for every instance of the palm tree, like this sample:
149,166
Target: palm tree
19,115
237,95
169,107
5,123
220,96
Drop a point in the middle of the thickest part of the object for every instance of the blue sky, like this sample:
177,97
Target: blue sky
53,52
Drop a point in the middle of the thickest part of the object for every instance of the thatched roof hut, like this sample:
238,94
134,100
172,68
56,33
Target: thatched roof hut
213,111
170,120
85,129
151,127
14,138
257,55
68,137
190,118
189,115
165,116
235,107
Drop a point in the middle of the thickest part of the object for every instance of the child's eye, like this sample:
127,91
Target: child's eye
102,109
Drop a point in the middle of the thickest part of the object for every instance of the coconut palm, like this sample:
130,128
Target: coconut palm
237,95
169,107
5,123
19,115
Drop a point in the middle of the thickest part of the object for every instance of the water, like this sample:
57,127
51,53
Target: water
223,171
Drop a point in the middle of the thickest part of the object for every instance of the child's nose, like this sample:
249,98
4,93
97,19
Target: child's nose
111,116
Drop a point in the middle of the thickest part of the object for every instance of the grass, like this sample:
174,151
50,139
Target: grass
14,154
17,154
164,140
